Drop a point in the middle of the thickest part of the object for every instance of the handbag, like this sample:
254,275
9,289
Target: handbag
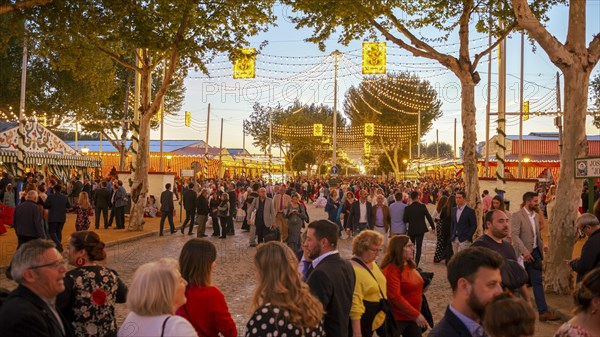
252,218
272,234
513,275
390,326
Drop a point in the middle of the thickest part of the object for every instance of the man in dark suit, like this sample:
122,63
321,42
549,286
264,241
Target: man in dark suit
361,213
474,276
202,210
120,202
463,223
332,278
189,204
28,221
29,310
232,208
57,205
166,209
415,215
101,204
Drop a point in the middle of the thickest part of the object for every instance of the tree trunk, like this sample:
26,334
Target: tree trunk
139,188
558,277
468,113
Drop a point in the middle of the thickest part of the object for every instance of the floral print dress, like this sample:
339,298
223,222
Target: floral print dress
89,299
82,223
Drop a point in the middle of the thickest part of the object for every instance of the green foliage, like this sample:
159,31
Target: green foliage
595,91
445,150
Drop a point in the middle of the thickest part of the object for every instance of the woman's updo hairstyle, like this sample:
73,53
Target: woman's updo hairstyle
90,242
588,289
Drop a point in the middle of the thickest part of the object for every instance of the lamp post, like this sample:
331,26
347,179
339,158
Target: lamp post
405,161
85,150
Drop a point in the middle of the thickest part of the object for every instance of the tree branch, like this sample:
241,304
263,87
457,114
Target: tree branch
112,141
418,48
594,50
7,8
478,57
173,58
117,59
559,55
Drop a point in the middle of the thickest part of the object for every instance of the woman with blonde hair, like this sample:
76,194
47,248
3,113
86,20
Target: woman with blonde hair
282,303
370,288
157,291
197,260
84,210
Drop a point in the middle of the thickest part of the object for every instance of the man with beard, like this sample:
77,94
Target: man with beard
332,278
528,243
474,275
497,229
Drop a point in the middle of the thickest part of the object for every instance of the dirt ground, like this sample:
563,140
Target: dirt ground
235,273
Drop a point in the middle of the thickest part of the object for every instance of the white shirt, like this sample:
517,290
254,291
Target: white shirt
318,260
459,211
363,212
531,217
136,325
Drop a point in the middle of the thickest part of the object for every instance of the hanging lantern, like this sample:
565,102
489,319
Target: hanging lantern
374,58
369,129
245,65
367,147
318,130
188,118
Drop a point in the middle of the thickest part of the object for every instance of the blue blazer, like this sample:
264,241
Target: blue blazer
466,225
450,326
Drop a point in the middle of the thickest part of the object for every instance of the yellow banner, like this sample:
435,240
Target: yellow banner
318,130
374,58
367,147
369,129
188,118
245,65
525,110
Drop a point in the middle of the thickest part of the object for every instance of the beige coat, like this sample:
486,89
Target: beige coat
522,232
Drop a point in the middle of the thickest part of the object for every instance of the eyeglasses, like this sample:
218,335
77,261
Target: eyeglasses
55,264
581,231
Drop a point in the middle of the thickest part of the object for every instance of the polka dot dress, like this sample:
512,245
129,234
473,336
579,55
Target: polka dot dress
269,321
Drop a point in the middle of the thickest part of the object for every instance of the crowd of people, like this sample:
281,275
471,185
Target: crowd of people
303,286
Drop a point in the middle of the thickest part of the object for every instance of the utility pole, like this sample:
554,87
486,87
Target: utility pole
437,144
558,119
419,137
520,175
221,151
501,131
22,121
335,54
488,106
270,142
454,140
162,119
206,144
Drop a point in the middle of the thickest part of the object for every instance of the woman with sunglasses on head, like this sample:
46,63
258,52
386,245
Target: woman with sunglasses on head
404,286
91,290
366,315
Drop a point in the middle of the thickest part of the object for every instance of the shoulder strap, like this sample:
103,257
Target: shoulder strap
162,331
359,261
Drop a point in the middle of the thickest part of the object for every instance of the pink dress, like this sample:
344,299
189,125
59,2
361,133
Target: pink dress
568,330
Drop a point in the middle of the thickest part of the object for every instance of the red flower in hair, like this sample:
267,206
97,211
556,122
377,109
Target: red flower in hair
99,296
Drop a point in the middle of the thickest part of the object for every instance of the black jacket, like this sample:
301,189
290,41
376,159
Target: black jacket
189,200
590,256
28,220
57,205
166,201
450,326
25,314
102,198
332,282
202,205
415,215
